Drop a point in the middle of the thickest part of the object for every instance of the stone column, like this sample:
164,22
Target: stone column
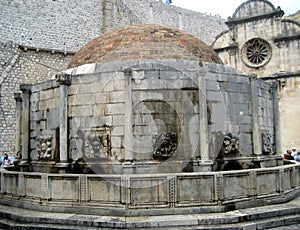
205,163
64,81
18,99
256,132
277,133
26,90
128,166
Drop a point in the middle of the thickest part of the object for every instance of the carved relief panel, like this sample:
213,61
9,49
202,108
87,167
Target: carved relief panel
45,148
97,143
266,142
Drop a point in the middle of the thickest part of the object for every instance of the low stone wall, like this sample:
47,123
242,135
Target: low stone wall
150,194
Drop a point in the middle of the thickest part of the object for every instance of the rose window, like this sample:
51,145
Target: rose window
256,52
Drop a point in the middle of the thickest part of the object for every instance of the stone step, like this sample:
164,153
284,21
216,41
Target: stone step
265,217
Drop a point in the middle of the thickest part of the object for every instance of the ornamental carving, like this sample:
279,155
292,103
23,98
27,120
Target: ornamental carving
231,144
165,145
266,142
45,148
97,143
256,52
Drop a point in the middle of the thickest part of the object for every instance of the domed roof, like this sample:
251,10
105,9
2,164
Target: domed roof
144,42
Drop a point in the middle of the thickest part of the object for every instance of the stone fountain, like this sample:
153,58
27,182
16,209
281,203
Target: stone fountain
147,120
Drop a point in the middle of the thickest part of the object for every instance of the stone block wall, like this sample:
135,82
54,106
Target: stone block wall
96,107
44,118
68,25
64,25
230,105
150,103
201,25
22,65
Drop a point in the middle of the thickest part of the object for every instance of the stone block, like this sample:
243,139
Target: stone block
117,131
188,187
150,190
46,94
49,104
98,87
110,190
215,96
37,116
81,111
116,142
118,120
117,97
104,121
212,85
115,109
236,186
52,116
99,109
80,89
119,85
82,99
59,186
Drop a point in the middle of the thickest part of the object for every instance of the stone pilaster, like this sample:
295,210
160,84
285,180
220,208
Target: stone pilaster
256,132
205,163
18,99
277,133
26,91
64,81
128,166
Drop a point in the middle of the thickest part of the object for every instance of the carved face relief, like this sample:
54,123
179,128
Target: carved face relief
97,144
231,144
165,145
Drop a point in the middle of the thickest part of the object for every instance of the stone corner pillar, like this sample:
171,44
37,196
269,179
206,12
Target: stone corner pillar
24,150
18,99
64,81
256,132
276,112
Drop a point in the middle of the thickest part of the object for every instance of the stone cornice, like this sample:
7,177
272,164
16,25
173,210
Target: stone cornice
288,37
282,75
37,49
233,22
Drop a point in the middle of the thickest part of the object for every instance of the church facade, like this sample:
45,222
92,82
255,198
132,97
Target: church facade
260,41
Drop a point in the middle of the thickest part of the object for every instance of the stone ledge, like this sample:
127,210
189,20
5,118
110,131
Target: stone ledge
255,218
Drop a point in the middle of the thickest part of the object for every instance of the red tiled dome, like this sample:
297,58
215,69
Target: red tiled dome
144,42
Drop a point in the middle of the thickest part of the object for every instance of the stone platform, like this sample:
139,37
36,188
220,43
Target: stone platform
266,217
